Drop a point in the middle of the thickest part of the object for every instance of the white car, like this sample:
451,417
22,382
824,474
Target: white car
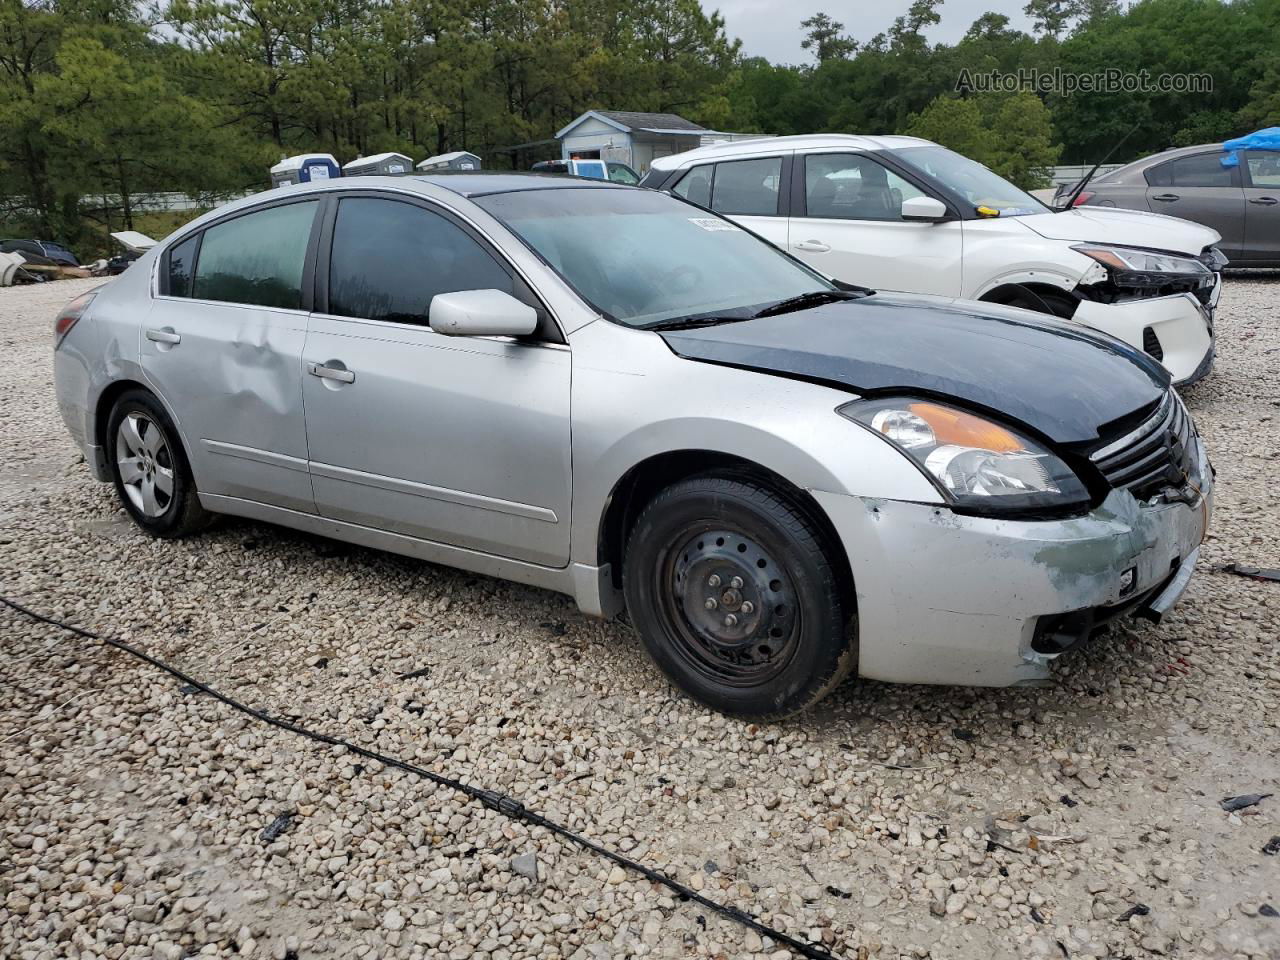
906,215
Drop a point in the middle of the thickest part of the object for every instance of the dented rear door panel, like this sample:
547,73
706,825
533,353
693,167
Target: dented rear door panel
233,383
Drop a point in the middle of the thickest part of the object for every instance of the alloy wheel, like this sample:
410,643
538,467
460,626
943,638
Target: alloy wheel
145,464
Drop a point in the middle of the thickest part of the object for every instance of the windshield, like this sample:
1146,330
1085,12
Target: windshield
971,180
643,258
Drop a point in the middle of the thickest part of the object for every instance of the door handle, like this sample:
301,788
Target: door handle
1166,197
1264,201
164,335
331,373
812,246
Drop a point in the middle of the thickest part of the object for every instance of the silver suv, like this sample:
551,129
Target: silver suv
609,392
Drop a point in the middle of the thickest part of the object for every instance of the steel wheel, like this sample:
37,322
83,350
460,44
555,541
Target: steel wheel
736,598
734,607
145,464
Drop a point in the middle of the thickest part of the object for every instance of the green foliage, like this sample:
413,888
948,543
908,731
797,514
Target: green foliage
955,123
1010,133
824,37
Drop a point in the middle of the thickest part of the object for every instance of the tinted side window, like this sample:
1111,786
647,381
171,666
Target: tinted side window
1264,167
846,186
257,258
696,185
182,261
747,187
621,173
1159,176
390,258
1198,170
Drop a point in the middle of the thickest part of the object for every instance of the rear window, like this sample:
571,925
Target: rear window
747,187
257,258
1198,170
740,187
182,261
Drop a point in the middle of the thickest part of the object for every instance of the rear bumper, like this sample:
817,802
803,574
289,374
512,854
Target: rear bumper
945,598
1180,324
71,385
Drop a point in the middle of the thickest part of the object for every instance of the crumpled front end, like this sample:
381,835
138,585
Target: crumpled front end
955,599
1177,330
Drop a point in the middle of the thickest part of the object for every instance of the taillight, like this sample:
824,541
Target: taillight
1084,198
69,315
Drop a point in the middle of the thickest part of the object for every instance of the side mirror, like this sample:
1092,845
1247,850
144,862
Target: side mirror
924,208
481,313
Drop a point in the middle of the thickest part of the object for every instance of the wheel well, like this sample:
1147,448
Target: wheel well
108,400
643,482
1012,292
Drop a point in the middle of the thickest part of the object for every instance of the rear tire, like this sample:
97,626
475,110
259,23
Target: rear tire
736,599
149,466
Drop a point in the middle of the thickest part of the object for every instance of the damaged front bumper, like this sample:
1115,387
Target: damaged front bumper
1177,330
946,598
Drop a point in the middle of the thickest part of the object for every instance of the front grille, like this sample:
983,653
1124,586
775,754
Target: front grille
1151,343
1155,455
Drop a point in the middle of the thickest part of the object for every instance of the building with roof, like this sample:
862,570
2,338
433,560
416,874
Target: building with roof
624,136
379,165
456,160
304,168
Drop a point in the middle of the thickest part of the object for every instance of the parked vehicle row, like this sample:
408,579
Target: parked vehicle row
631,399
903,214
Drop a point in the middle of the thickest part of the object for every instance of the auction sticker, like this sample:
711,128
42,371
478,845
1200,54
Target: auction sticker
709,223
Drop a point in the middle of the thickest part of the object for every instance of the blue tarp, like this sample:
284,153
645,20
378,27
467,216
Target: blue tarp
1268,139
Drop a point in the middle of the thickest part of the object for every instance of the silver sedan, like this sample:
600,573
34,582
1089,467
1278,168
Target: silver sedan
613,393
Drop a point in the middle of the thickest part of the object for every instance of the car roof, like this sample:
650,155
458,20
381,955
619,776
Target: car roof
765,145
483,183
466,184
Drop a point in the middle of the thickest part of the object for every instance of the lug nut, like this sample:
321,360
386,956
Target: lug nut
747,606
731,621
736,583
713,580
711,603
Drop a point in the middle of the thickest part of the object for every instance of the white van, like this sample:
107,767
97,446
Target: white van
903,214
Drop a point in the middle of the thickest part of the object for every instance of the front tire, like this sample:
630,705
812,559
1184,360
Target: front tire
736,598
152,476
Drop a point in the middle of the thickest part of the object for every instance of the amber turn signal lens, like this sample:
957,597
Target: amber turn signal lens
965,430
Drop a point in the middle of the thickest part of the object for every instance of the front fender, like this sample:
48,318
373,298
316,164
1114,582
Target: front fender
633,399
1001,253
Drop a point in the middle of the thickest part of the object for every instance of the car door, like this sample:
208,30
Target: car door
1199,188
222,347
748,191
848,224
458,440
1262,206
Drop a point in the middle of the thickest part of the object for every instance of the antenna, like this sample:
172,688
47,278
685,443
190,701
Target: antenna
1071,200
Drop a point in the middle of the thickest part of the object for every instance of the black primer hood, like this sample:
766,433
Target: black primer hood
1060,378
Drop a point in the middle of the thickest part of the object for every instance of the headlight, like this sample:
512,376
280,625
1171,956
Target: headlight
973,461
1130,267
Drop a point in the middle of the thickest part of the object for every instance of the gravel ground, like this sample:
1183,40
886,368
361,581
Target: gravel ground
132,811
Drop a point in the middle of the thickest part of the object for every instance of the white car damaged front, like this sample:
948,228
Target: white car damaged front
904,215
1149,280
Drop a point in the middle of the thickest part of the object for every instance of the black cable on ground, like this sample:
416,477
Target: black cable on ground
503,804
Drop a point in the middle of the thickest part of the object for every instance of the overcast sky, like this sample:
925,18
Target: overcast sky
771,28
